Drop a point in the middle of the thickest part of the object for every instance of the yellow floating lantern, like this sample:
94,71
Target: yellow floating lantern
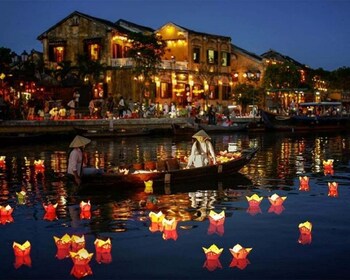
148,186
254,200
21,197
81,257
213,252
156,217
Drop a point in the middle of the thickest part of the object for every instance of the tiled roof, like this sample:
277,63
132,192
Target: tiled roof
257,57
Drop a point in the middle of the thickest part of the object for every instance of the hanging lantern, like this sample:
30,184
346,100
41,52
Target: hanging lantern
333,189
304,183
39,166
78,243
239,252
305,236
328,167
81,257
169,229
21,249
148,186
21,197
80,271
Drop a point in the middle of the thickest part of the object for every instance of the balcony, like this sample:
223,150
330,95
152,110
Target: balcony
166,64
121,62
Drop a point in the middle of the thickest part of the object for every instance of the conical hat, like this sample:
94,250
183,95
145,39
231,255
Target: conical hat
201,135
79,141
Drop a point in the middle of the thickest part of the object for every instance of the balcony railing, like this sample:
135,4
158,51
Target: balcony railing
121,62
166,64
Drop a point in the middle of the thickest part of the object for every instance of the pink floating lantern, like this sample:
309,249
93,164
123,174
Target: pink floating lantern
276,209
216,222
333,189
304,183
239,252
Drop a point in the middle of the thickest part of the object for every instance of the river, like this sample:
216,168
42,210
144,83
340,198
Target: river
141,250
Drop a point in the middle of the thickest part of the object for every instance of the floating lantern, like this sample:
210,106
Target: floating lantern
328,167
80,271
254,200
304,183
22,260
169,229
64,242
62,253
156,221
305,236
148,186
105,258
333,189
254,210
6,211
21,250
50,216
239,252
21,197
50,208
277,200
103,246
213,252
85,206
2,162
81,257
78,242
6,219
239,263
216,224
211,265
39,166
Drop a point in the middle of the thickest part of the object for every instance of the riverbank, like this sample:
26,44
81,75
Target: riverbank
69,126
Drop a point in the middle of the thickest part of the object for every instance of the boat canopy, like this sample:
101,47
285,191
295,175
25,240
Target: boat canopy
320,104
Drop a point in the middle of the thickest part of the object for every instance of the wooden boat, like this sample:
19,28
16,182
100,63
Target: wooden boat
105,133
311,116
172,171
218,128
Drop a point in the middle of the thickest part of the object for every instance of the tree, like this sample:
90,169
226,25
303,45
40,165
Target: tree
147,52
340,79
5,60
278,76
247,94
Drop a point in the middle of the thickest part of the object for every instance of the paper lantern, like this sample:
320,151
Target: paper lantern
50,216
277,200
6,219
154,227
305,236
85,206
50,208
169,229
81,257
213,252
21,197
216,218
78,242
64,242
62,253
6,211
21,249
22,260
328,167
239,263
2,162
156,217
148,186
254,210
218,229
39,166
103,246
304,183
239,252
333,189
254,200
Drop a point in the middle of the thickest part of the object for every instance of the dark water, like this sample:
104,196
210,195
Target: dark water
141,252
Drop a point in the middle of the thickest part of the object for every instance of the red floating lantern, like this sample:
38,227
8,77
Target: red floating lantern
78,243
22,260
62,253
305,236
254,200
212,265
6,211
2,162
103,246
105,258
239,252
50,216
169,229
64,242
82,257
21,250
85,206
6,219
328,167
277,200
50,208
333,189
39,166
239,263
213,252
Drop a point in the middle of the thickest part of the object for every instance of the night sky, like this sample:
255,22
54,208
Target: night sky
313,32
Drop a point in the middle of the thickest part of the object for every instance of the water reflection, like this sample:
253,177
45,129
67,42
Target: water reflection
138,221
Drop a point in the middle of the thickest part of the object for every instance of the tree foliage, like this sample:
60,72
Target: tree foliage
247,94
280,76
